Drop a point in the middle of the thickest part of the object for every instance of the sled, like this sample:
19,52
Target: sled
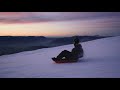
63,60
66,60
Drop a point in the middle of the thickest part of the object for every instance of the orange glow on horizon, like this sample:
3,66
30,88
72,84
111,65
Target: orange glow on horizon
37,29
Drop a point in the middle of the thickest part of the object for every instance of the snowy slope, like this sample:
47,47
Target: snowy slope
102,59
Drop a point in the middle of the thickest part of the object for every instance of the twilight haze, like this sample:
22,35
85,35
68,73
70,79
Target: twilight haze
59,23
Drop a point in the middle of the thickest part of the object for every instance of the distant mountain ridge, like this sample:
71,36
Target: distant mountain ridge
69,40
43,39
20,38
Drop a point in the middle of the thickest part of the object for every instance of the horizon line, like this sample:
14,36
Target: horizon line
54,36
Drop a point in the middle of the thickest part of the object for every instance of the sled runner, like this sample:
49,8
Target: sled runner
63,60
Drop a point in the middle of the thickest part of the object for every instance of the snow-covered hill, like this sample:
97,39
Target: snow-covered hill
102,59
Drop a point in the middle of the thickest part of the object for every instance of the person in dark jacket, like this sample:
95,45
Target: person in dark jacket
77,52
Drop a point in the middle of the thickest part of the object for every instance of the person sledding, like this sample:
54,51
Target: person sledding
74,55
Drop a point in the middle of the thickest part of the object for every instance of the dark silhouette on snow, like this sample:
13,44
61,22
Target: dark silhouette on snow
75,54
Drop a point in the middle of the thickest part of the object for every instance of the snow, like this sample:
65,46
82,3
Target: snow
101,60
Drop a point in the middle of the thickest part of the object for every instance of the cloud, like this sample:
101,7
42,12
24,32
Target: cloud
32,17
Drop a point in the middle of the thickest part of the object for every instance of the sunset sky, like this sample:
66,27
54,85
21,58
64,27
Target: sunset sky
59,23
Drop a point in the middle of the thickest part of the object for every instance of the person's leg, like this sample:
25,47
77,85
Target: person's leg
64,53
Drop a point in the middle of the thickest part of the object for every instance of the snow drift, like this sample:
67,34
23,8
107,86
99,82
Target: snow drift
101,60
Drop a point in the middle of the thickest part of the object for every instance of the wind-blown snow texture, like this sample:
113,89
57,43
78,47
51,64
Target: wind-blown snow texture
101,60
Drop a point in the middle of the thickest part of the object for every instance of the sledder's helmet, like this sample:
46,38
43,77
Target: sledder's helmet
76,40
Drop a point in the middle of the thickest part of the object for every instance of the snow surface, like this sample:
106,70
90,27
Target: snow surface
101,60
